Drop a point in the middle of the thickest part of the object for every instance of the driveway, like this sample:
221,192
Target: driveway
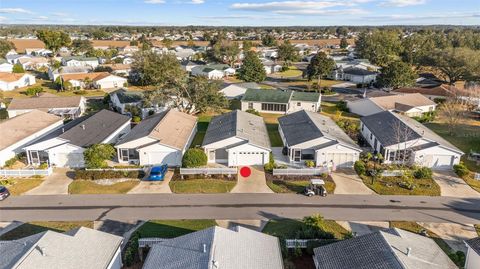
360,228
348,182
452,233
256,225
451,185
154,186
255,183
57,183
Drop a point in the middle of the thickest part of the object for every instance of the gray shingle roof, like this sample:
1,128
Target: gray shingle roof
303,126
126,97
226,248
144,128
383,250
474,244
95,128
268,96
238,124
358,71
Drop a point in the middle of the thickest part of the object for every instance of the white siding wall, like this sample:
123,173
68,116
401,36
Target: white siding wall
111,82
339,155
116,262
66,155
308,106
25,81
159,154
247,154
472,260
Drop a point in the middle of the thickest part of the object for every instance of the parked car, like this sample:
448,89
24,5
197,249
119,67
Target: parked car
157,173
4,193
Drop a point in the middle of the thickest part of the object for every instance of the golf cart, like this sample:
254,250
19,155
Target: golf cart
316,187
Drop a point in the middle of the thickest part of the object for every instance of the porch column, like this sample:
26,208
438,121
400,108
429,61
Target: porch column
119,151
28,157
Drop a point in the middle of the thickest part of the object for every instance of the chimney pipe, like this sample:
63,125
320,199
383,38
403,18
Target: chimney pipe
83,126
63,130
409,250
204,248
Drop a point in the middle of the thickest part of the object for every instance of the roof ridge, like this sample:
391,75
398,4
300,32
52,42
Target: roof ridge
399,261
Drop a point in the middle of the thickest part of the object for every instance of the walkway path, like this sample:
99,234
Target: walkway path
451,185
348,182
255,183
57,183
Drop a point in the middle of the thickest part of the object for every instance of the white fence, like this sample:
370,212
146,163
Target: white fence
299,172
26,172
115,169
208,171
296,243
150,241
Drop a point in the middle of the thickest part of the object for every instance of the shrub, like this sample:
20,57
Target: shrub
136,119
43,166
461,170
107,174
18,68
11,162
458,258
194,158
32,91
252,111
309,163
270,165
96,155
342,106
359,167
423,173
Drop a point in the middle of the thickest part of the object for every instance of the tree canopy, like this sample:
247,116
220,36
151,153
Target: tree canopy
96,155
397,74
54,40
162,70
252,69
288,53
320,66
5,47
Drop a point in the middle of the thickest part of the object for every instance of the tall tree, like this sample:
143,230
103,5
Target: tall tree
320,66
54,40
269,40
380,47
343,43
81,46
162,70
456,63
224,51
252,69
397,74
5,47
288,53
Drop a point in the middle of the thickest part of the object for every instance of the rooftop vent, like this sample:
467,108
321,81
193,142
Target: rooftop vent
409,251
204,248
83,126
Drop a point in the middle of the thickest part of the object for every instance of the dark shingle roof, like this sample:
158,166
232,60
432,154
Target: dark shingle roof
268,96
306,96
126,97
383,126
144,128
358,71
474,244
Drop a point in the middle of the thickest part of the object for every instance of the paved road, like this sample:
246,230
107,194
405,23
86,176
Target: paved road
239,206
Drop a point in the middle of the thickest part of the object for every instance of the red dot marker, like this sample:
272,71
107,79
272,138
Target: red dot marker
245,171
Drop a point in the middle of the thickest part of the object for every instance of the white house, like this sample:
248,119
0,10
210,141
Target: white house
65,146
359,75
67,107
401,139
236,91
280,101
81,248
99,80
123,98
5,66
33,63
270,66
12,81
312,136
213,71
25,129
80,61
53,74
472,260
237,138
162,138
412,105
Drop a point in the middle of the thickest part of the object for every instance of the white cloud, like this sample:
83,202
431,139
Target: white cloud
196,2
59,14
15,11
410,17
403,3
318,8
154,1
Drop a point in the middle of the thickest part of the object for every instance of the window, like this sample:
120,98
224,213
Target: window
371,135
274,107
250,105
299,104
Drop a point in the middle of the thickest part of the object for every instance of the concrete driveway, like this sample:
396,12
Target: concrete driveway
360,228
451,185
452,233
154,186
348,182
255,183
57,183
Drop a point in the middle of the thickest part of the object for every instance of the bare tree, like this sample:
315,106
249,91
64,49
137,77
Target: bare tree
402,134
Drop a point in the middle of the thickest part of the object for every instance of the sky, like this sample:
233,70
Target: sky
240,12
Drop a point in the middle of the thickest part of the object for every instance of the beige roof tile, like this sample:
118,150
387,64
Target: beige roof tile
174,129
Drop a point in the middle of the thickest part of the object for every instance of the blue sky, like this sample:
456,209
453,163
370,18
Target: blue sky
240,12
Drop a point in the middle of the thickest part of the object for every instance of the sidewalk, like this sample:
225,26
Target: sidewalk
57,183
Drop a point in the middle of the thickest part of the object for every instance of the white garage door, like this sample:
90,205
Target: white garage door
247,158
169,158
69,160
441,162
341,159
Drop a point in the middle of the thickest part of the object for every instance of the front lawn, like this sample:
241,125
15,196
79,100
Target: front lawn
32,228
173,228
295,186
391,186
90,187
289,228
202,185
292,72
18,186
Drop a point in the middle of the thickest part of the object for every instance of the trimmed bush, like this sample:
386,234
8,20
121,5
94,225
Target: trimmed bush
423,173
360,168
194,158
461,170
309,163
107,174
136,119
11,162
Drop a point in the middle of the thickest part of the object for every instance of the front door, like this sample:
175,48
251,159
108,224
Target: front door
34,157
297,155
125,155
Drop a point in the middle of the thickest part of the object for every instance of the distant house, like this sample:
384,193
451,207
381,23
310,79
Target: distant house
217,247
24,129
401,139
67,107
39,52
80,61
392,249
14,58
81,248
128,49
98,80
312,136
5,67
53,74
65,146
33,63
411,105
213,71
12,81
119,69
270,66
237,138
280,101
162,138
472,260
236,91
359,76
189,65
123,98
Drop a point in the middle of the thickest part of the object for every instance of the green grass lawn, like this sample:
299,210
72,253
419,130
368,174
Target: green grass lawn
202,125
426,187
329,109
173,228
290,73
295,186
90,187
287,228
202,186
32,228
271,120
17,186
49,87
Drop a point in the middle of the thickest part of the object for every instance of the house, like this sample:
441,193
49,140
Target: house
67,107
123,98
472,260
53,74
24,129
237,138
14,58
119,69
312,136
39,52
236,91
412,105
270,66
33,63
217,247
65,146
392,249
161,138
5,66
435,93
401,139
80,61
96,80
280,101
189,65
213,71
359,75
12,81
81,248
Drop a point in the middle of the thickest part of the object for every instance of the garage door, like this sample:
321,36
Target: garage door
247,158
341,159
69,160
441,162
168,158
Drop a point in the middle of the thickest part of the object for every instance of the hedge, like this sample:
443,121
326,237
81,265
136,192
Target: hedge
107,174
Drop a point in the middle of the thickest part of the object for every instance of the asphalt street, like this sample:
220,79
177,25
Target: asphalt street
239,206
